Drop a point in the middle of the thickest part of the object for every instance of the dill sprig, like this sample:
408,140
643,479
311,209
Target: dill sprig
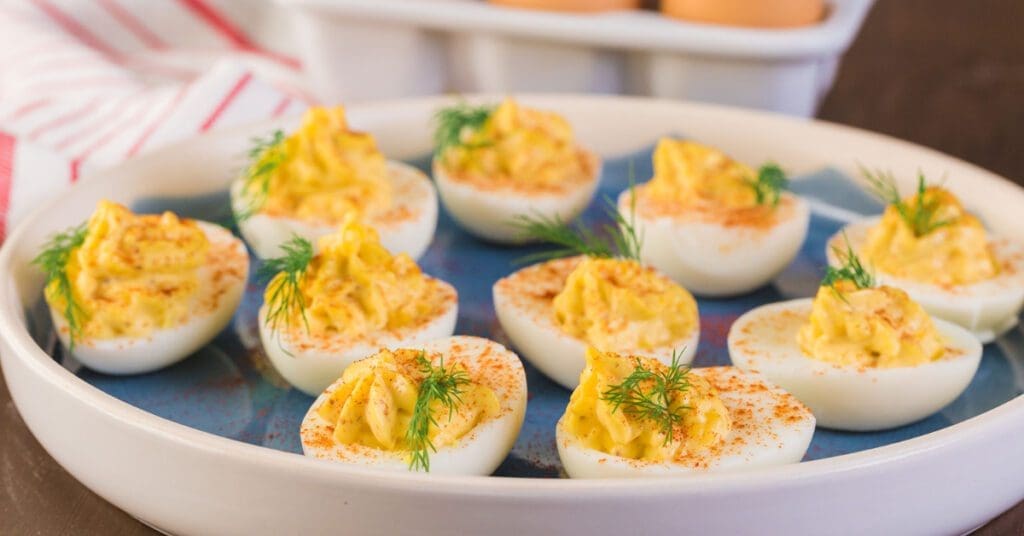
852,270
53,260
441,385
770,183
455,123
921,216
265,156
284,274
619,238
647,394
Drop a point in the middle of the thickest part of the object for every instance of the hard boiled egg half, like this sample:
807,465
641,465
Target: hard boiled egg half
134,293
554,310
714,224
494,165
635,416
306,184
862,358
322,312
928,245
451,406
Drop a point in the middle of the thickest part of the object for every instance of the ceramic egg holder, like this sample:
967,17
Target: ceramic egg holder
434,46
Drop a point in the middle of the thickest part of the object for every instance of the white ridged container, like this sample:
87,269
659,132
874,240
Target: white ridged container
356,50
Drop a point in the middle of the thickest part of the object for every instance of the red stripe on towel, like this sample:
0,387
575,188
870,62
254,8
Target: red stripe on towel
159,121
219,110
132,24
6,178
281,107
61,120
235,35
75,28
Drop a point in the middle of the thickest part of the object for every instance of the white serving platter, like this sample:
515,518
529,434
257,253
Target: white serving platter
185,481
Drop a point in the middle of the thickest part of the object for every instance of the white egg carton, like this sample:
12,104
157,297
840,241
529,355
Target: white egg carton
373,49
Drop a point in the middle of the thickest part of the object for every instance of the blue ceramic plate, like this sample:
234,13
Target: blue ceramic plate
230,389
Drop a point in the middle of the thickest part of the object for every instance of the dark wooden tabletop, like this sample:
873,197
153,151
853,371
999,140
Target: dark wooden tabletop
948,74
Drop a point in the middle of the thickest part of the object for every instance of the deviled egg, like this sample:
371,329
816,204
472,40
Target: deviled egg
451,406
554,310
306,184
928,245
861,357
635,416
322,312
494,165
134,293
714,224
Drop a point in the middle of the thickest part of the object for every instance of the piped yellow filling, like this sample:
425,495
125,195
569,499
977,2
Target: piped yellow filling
689,173
602,426
326,172
355,286
956,252
375,401
516,145
133,274
620,305
873,327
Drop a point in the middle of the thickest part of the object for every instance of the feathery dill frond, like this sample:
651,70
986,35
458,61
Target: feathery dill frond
284,275
439,384
53,260
265,156
454,123
647,394
921,216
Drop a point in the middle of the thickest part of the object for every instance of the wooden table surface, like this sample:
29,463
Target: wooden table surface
948,74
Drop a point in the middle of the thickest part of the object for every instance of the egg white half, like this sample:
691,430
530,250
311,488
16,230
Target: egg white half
524,308
407,227
312,363
850,397
987,308
489,214
769,427
479,452
712,259
222,281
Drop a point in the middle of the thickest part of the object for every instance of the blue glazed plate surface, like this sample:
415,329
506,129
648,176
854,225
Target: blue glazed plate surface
230,389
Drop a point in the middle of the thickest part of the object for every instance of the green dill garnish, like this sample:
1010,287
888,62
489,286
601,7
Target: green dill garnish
616,239
455,123
921,216
851,270
264,157
441,385
54,262
648,394
771,180
286,297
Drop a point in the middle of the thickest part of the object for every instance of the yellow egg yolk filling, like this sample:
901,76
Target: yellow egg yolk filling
325,171
619,431
689,173
355,286
874,327
955,252
620,305
375,401
133,274
522,147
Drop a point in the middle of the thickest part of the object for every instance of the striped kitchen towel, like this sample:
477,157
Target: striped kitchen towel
86,84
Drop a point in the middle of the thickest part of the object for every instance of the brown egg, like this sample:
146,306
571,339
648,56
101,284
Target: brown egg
579,6
757,13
